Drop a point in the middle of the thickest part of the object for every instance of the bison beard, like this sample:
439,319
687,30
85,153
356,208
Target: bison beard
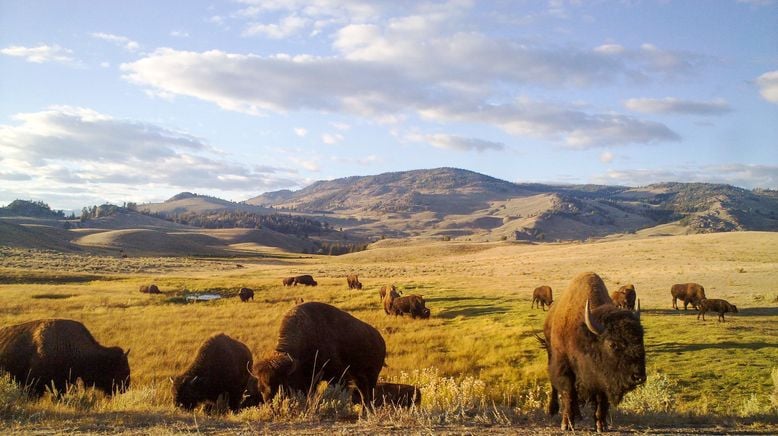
59,351
320,342
595,351
220,369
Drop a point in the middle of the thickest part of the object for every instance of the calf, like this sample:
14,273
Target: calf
716,305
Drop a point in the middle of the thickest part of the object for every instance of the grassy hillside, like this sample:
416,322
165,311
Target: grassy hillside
476,359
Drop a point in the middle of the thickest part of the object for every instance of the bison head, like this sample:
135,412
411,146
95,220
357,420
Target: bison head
618,350
188,391
273,372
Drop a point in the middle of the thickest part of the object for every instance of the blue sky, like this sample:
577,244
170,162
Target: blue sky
137,101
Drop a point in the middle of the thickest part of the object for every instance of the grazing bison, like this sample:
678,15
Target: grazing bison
595,350
689,293
246,294
220,368
716,305
542,296
305,279
395,394
288,281
320,342
630,296
60,351
149,289
413,305
388,294
353,281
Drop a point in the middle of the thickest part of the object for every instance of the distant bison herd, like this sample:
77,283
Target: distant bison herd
593,340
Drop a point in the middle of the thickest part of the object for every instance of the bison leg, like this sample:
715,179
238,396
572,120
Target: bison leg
675,303
601,412
553,402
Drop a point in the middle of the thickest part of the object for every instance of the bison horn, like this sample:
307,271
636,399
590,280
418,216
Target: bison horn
591,324
637,313
293,365
127,353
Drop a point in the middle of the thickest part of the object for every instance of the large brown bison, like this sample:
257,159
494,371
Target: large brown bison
149,289
246,294
595,350
689,293
542,296
395,394
716,305
414,305
287,281
57,352
220,368
321,342
305,279
353,281
625,297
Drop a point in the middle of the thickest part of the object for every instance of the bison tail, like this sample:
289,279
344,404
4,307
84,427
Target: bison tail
543,342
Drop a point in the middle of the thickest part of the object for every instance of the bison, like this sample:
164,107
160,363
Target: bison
388,294
595,350
246,294
384,289
716,305
149,289
542,296
353,281
57,352
305,279
317,341
220,369
395,394
288,281
689,293
413,305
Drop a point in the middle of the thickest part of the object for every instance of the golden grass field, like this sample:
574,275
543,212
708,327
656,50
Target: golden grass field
476,359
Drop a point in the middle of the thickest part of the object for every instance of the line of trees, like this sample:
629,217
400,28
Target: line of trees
287,224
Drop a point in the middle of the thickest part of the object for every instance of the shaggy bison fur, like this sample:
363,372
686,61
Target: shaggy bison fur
288,281
317,341
246,294
220,369
689,293
716,305
57,352
413,305
595,351
625,297
542,296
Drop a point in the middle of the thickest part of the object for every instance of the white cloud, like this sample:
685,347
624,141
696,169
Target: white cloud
341,126
306,164
41,54
121,41
285,28
66,146
757,2
768,86
179,34
744,175
301,132
606,157
457,143
331,138
671,105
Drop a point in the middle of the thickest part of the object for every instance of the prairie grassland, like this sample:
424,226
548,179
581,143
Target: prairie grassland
476,359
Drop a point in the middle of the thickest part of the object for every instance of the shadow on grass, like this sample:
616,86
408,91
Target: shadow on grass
680,348
437,299
757,311
469,311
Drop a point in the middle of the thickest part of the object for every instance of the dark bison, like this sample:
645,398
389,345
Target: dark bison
595,350
305,279
395,394
716,305
220,369
60,351
353,281
320,342
542,296
388,294
246,294
149,289
288,281
689,293
413,305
